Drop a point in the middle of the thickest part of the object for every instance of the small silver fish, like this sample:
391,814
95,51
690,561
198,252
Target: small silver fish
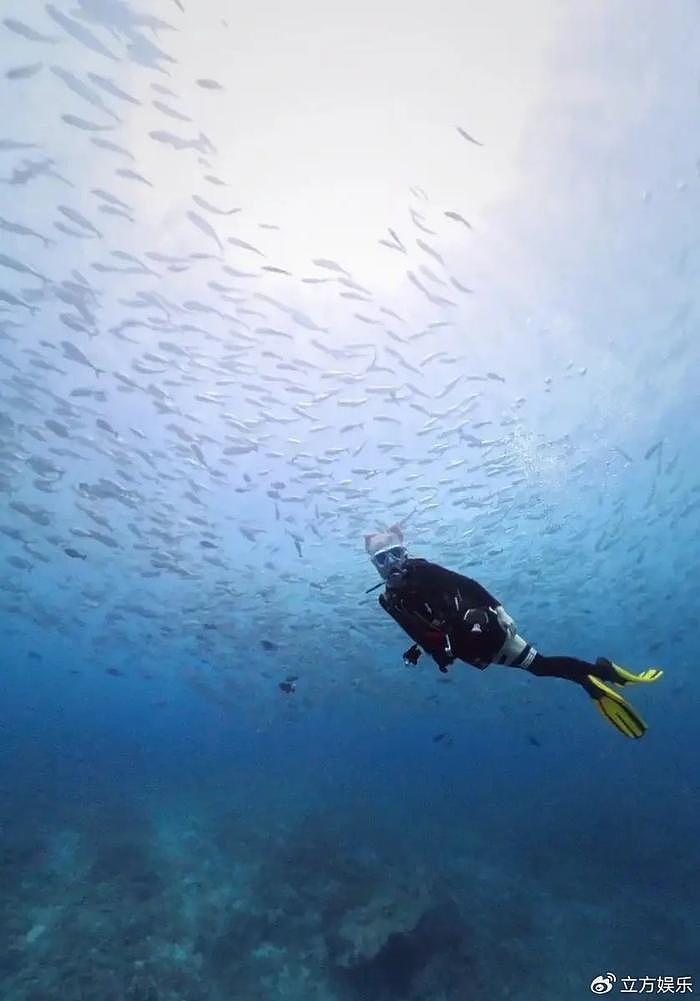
19,230
20,28
110,87
80,33
23,72
14,265
465,135
212,208
74,554
170,112
106,144
205,227
85,125
79,219
75,354
133,176
80,88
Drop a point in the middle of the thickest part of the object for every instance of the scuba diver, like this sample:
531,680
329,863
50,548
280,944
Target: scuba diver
454,618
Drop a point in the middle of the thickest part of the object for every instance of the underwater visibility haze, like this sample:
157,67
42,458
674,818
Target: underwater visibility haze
284,287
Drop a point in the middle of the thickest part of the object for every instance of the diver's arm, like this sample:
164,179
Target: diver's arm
431,640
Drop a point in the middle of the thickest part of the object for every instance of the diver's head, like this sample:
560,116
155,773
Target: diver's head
386,551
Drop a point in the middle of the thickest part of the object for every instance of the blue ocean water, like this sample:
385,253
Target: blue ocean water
230,346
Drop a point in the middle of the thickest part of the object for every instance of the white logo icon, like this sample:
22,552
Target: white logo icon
603,984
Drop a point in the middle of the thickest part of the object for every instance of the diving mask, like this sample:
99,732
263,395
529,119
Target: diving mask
388,559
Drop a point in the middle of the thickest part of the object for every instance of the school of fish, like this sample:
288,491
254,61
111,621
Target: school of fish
195,434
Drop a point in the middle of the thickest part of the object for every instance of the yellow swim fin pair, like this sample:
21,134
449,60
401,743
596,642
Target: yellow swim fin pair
611,706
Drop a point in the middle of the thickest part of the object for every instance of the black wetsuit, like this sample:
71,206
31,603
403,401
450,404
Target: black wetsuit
429,603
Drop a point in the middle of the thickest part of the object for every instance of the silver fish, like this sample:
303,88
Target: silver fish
75,354
34,168
133,176
80,33
465,135
202,144
112,210
205,227
19,230
458,218
212,208
80,88
23,72
12,300
110,87
73,323
113,147
25,31
19,563
458,285
429,250
144,52
418,220
170,112
85,125
14,265
76,217
9,145
160,89
71,232
322,262
235,242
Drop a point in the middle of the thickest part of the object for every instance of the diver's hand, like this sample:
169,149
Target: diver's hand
412,654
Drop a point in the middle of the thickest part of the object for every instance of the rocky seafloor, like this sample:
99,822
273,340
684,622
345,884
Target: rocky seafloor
188,906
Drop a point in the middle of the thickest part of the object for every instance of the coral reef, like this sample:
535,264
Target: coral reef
363,931
231,908
428,960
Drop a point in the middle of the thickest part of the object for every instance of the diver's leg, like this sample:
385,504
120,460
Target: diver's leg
569,668
574,669
517,652
611,706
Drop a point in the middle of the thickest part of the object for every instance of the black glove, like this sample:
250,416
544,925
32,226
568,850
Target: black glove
412,654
